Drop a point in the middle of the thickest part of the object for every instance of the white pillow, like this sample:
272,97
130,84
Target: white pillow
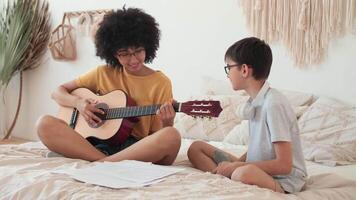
300,110
214,129
298,98
239,134
212,86
328,132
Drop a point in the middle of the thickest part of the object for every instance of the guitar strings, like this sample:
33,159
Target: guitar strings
132,111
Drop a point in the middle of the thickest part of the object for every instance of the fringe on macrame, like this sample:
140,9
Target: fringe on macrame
305,27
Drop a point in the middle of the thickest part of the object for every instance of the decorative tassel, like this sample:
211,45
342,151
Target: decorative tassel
305,27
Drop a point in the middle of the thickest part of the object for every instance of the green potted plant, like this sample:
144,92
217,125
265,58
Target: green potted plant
24,35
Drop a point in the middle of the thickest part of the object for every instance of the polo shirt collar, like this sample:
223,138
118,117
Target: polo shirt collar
248,110
258,100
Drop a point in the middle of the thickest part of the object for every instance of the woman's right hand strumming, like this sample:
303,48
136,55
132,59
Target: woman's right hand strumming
87,109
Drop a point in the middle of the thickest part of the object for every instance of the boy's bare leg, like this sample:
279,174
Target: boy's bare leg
252,175
204,156
161,147
58,137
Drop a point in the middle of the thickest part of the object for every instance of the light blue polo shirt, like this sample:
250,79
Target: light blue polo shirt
272,119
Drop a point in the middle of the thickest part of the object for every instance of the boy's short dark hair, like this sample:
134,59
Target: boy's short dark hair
253,52
126,28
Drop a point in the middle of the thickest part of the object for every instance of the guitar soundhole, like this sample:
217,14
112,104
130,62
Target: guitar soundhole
101,106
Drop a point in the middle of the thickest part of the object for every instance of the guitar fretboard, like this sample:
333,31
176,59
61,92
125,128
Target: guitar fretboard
134,111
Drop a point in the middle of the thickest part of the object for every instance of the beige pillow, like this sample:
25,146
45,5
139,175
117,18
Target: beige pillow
328,132
212,86
297,99
239,134
300,110
214,129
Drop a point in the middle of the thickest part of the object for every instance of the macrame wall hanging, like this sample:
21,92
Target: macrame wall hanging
305,27
62,44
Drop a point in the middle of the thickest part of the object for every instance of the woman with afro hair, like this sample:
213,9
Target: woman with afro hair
126,39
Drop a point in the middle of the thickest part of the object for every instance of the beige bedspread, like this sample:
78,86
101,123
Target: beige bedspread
26,174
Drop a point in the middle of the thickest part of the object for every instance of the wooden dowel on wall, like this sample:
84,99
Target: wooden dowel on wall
90,12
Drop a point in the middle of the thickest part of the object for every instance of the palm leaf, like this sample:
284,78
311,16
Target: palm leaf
24,35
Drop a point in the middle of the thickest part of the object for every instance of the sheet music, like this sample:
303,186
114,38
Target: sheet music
124,174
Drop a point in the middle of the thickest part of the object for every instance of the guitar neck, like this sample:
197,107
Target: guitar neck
136,111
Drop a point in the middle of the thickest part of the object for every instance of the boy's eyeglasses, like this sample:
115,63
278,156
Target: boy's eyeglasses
227,68
126,55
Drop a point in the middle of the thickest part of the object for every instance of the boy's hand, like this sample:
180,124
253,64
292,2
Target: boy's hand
166,113
227,168
224,168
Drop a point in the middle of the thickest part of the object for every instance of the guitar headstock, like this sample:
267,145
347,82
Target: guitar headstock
201,108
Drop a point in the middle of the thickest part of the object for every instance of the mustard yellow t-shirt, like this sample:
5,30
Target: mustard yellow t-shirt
152,89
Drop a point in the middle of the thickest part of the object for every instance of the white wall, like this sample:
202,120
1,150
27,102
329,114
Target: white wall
195,36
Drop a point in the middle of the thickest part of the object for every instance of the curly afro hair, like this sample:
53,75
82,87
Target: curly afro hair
126,28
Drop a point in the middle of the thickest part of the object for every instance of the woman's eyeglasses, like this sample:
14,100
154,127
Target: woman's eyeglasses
126,55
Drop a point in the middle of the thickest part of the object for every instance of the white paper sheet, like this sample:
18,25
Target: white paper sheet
33,145
124,174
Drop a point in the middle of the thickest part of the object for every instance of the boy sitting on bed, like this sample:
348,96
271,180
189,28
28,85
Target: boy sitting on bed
274,158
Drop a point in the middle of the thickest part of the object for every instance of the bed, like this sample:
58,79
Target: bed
327,131
27,174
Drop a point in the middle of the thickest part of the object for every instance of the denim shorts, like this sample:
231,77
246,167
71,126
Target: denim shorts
110,149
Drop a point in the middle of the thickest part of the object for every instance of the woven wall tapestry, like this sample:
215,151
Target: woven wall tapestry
305,27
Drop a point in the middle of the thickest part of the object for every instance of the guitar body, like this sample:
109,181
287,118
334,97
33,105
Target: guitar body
113,131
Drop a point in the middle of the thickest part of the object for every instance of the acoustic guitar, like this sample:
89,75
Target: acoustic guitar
121,114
